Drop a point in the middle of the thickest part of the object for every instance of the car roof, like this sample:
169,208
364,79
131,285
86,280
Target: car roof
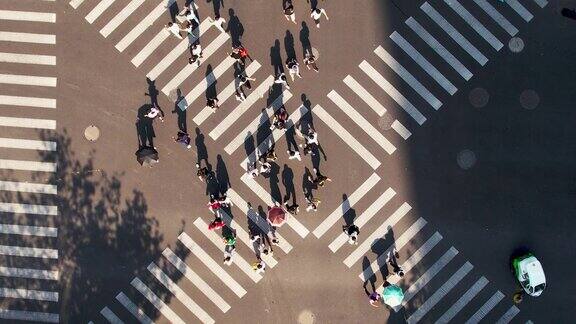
534,270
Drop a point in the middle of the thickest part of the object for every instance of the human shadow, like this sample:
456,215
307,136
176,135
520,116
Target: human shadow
222,175
249,145
307,185
288,182
371,280
173,10
153,93
216,5
569,13
313,4
235,28
305,39
379,246
181,120
145,128
211,91
276,58
201,149
263,131
274,183
350,214
289,46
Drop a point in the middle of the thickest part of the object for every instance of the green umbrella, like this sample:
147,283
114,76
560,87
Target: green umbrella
392,295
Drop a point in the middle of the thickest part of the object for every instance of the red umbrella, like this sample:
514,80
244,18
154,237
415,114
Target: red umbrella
277,216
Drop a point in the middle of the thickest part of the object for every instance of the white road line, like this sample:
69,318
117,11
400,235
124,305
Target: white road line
401,130
346,137
27,122
497,17
27,144
520,10
28,101
402,101
454,34
27,165
196,280
446,287
361,220
28,230
462,301
509,315
439,49
28,209
28,16
365,125
28,80
408,77
365,95
423,63
27,38
27,58
486,308
51,296
378,233
144,24
29,273
253,127
475,24
120,17
541,3
156,301
212,265
28,252
29,316
205,83
133,309
179,294
150,47
110,316
345,206
76,3
98,10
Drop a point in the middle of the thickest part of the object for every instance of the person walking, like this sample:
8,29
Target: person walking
289,11
213,104
293,68
259,267
217,22
203,173
374,299
243,79
252,171
312,201
292,209
175,29
320,179
244,54
316,14
196,50
310,61
280,118
294,155
265,168
240,96
155,112
190,15
229,248
281,79
352,231
183,138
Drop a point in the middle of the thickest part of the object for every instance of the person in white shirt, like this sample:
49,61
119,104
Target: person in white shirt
316,14
259,267
293,68
174,29
281,79
289,10
189,14
294,155
218,22
196,50
252,171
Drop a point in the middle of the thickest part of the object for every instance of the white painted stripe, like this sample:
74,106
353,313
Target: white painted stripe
509,315
180,294
51,296
365,95
462,301
365,125
520,10
212,265
28,16
345,206
424,308
28,230
408,77
541,3
144,24
196,280
201,87
27,58
29,316
402,101
439,49
401,130
454,34
27,165
27,122
98,10
427,276
399,243
253,127
110,316
362,219
423,63
28,80
29,273
27,144
120,17
475,24
28,209
150,47
378,233
133,309
346,137
27,101
27,38
190,68
486,308
156,301
257,220
28,252
76,3
497,17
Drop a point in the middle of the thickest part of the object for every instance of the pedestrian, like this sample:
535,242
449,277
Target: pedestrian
196,50
312,137
225,201
271,154
244,54
374,298
155,112
320,179
316,14
279,119
228,253
265,168
189,14
240,96
203,173
230,240
183,138
289,10
310,61
235,54
252,171
294,155
216,224
292,209
352,231
281,79
212,103
243,79
259,267
217,22
175,29
293,68
214,205
312,201
190,27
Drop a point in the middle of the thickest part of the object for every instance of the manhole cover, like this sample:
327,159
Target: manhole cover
385,122
516,44
306,317
529,99
466,159
479,97
92,133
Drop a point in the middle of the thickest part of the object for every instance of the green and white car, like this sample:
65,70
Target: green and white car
530,274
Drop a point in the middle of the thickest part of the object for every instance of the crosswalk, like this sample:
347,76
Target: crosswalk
28,207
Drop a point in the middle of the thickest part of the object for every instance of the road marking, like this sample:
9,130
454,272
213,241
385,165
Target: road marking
98,10
27,122
28,252
497,17
475,24
27,58
28,101
509,315
120,17
377,234
27,165
423,63
28,80
350,201
212,265
486,308
439,49
133,309
401,130
196,280
76,3
29,316
27,38
454,34
110,316
179,294
408,77
541,3
346,137
520,10
424,308
462,301
29,294
28,209
28,230
150,47
362,219
156,301
365,95
27,144
406,105
29,273
28,16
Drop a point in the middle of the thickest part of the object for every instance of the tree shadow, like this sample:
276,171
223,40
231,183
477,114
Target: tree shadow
235,28
305,39
288,182
182,125
289,46
276,58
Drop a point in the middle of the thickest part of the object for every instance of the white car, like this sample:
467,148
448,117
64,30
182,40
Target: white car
530,274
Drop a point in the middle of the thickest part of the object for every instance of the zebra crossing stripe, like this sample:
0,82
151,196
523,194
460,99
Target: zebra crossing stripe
27,38
196,280
27,165
76,3
29,273
401,130
120,17
27,101
406,105
28,230
423,309
439,49
179,294
150,47
541,3
156,301
423,63
346,137
497,17
27,122
377,234
23,144
98,10
350,201
28,209
462,301
51,296
133,309
475,24
365,95
454,34
28,80
10,314
520,10
110,316
486,308
28,252
509,315
212,265
28,16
